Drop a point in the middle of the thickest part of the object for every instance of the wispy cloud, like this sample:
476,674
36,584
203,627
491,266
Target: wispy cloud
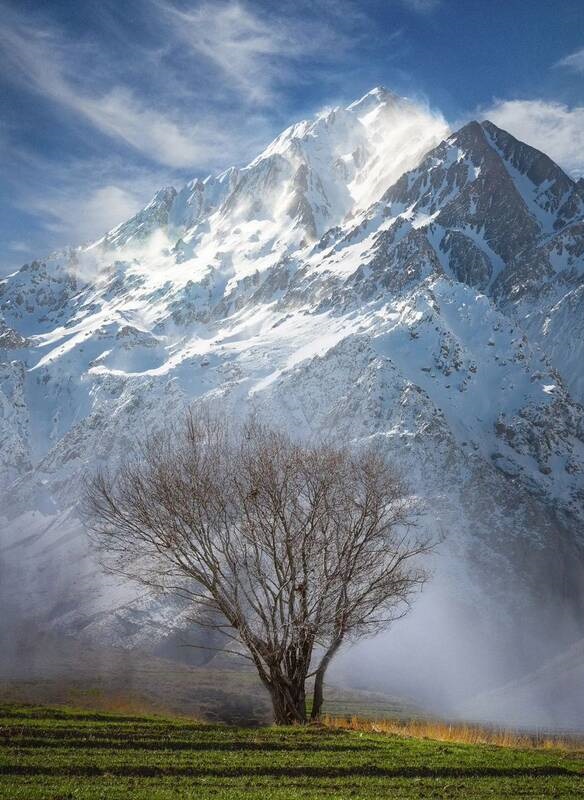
41,59
103,208
421,6
234,52
252,54
18,247
573,61
555,128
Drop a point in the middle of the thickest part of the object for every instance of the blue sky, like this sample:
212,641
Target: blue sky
105,101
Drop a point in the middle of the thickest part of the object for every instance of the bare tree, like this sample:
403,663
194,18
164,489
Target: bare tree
290,550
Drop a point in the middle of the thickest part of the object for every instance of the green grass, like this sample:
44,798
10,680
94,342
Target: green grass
61,754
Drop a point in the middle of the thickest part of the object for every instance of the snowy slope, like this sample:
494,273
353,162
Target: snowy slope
363,277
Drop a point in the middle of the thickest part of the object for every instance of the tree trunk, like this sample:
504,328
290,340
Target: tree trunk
289,704
318,695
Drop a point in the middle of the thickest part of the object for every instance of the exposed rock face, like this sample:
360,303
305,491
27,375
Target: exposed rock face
360,279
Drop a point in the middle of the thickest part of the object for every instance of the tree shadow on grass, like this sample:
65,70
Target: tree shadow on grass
292,772
125,743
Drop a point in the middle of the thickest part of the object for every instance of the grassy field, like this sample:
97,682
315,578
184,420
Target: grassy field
60,754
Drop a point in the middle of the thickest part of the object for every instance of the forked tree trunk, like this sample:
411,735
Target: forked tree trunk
318,694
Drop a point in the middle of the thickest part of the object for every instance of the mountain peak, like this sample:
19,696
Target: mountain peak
530,161
375,97
472,131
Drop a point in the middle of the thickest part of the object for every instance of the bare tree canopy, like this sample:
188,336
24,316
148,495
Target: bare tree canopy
289,549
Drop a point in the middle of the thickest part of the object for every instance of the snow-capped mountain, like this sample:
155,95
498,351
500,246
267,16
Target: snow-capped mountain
368,276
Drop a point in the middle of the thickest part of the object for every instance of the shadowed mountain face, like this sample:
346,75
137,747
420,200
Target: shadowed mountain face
365,278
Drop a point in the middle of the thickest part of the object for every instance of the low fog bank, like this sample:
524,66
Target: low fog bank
52,585
47,669
478,663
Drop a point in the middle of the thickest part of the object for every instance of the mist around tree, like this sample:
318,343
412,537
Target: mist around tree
288,550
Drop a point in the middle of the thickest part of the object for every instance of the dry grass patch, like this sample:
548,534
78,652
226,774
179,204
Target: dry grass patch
463,733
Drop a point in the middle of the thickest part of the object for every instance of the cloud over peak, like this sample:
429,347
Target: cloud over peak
554,128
